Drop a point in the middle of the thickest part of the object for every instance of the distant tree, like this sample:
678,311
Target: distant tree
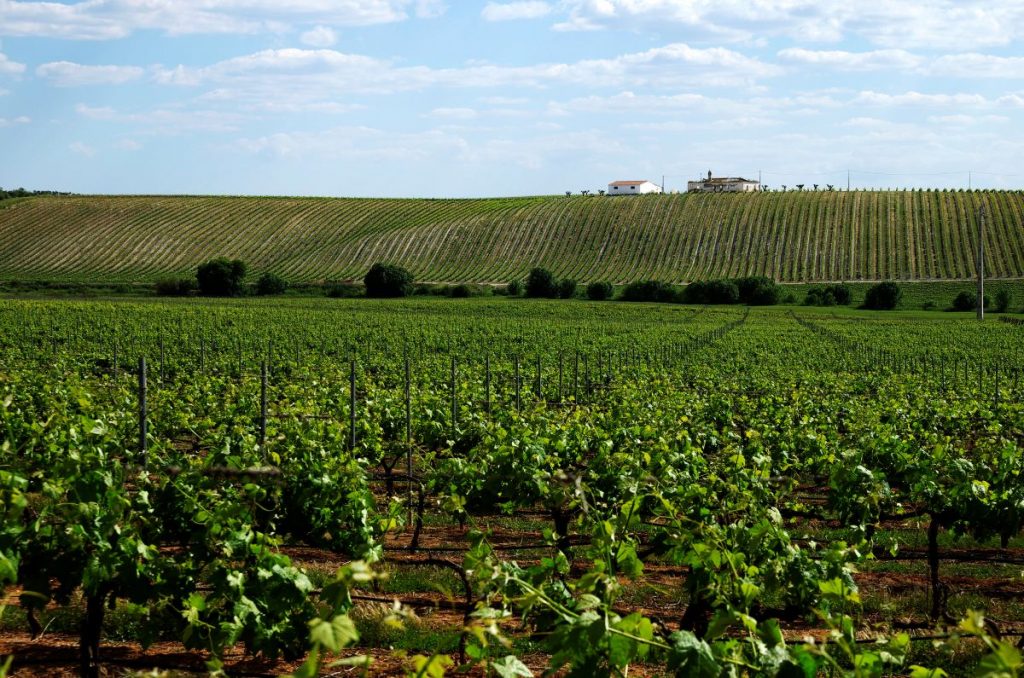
541,283
965,301
799,187
884,296
385,281
1003,300
649,290
566,288
270,284
758,291
568,194
601,192
221,277
175,287
514,288
600,291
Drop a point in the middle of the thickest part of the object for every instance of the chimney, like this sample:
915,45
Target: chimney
709,175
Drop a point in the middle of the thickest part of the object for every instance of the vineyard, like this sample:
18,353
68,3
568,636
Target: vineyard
423,487
788,236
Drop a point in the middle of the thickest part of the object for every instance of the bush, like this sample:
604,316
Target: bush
566,288
649,290
884,296
758,291
829,295
221,277
541,283
270,284
711,292
842,292
386,281
340,290
175,287
1003,300
514,288
600,291
965,301
426,290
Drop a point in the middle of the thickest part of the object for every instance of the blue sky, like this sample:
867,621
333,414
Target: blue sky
456,98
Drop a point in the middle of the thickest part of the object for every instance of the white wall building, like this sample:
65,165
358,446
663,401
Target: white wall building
723,185
638,187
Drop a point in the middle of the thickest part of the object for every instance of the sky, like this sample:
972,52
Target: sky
467,98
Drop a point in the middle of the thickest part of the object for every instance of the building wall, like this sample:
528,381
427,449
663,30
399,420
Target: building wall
733,187
641,188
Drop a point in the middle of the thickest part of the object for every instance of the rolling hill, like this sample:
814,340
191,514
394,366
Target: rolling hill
792,237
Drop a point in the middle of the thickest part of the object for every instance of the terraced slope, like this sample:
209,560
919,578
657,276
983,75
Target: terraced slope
791,237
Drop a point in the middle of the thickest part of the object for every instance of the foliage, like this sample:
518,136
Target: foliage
566,288
884,296
341,290
1003,299
968,301
541,283
221,277
175,287
514,288
270,284
649,290
385,281
829,295
600,291
712,292
758,291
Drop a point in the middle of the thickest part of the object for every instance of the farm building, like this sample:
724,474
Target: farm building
723,185
637,187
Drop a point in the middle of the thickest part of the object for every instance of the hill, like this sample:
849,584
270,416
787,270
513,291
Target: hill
792,237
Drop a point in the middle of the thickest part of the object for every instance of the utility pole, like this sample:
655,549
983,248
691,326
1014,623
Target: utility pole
981,262
662,183
847,181
970,181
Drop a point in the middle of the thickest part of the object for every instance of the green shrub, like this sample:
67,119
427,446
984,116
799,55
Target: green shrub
386,281
1003,300
712,292
221,277
600,291
884,296
541,283
842,292
566,288
341,290
649,290
514,288
175,287
758,291
270,284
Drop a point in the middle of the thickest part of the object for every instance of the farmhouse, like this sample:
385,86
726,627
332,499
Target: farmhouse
723,185
637,187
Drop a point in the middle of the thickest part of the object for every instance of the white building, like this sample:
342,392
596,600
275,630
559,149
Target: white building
723,185
638,187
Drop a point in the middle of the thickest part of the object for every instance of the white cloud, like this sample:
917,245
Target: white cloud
877,60
10,122
8,67
870,98
128,145
454,113
321,36
111,19
82,149
974,65
508,11
911,23
169,121
69,74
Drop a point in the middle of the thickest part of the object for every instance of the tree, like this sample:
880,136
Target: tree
221,277
175,287
600,291
514,288
884,296
566,288
270,284
758,291
384,281
1003,300
541,283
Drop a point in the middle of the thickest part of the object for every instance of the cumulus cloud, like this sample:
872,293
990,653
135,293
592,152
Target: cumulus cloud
974,65
321,36
870,98
81,148
508,11
69,74
877,60
112,19
9,67
167,121
129,145
454,113
10,122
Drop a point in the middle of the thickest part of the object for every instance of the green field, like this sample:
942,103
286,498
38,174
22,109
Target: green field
507,487
791,237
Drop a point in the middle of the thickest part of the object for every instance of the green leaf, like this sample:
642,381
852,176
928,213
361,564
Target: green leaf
922,672
510,667
691,657
335,634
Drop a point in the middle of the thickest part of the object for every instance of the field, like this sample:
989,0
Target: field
505,487
791,236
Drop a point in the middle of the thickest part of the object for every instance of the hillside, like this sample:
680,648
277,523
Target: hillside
791,237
